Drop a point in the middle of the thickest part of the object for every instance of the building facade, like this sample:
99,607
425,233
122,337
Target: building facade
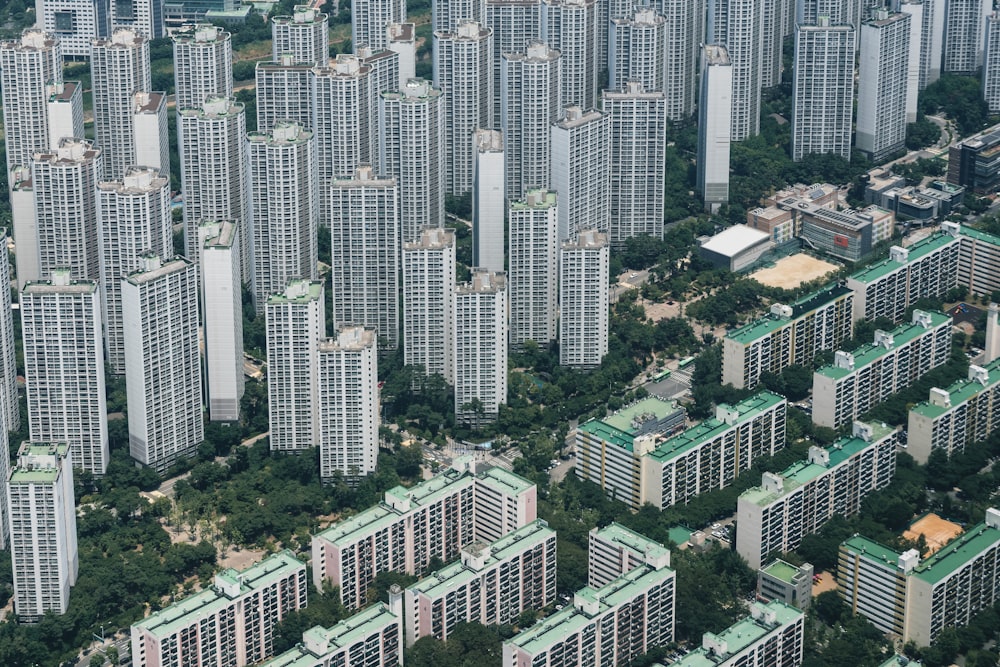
203,65
883,76
533,268
574,29
305,35
10,410
823,89
479,346
488,200
772,636
715,110
584,273
964,28
429,286
27,66
580,173
615,550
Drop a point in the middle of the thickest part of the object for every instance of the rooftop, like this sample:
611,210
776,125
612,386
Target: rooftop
209,601
698,435
631,540
735,239
141,276
741,635
870,352
860,544
959,392
38,462
343,634
919,249
621,428
809,303
803,472
957,554
298,291
781,570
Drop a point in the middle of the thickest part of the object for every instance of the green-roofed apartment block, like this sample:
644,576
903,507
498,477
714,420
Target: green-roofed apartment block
771,635
614,550
916,599
235,618
859,380
789,334
952,418
774,517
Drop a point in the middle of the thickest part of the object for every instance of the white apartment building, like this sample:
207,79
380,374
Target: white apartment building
952,418
529,103
134,217
429,286
403,42
737,27
573,28
373,636
772,15
533,268
285,93
715,110
64,111
609,451
448,14
823,89
637,48
385,66
64,367
463,70
24,227
214,183
412,151
611,625
772,636
915,65
348,404
491,584
680,60
364,231
42,521
833,481
637,161
584,273
480,346
991,63
788,335
305,35
580,173
65,188
296,322
926,269
284,208
858,381
883,77
370,18
433,519
488,200
149,130
615,550
913,598
929,16
515,24
222,318
145,16
162,361
231,622
10,412
203,65
119,68
714,453
964,29
27,66
75,23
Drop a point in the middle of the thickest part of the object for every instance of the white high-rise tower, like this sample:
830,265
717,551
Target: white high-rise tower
572,28
480,347
27,66
883,74
364,230
162,361
369,19
284,92
222,318
119,68
65,186
714,126
533,276
305,35
584,267
42,514
348,404
581,175
991,63
149,130
736,24
296,320
822,89
10,413
463,72
134,218
964,30
637,161
488,200
64,367
637,50
429,287
530,102
680,60
412,151
515,23
284,208
203,65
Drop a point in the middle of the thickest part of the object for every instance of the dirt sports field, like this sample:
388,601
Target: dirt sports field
790,272
936,531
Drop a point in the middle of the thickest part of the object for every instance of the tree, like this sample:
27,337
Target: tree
830,607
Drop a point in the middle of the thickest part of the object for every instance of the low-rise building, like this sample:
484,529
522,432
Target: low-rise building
916,599
770,637
975,162
370,637
786,583
712,454
850,235
230,623
858,381
491,584
788,335
736,248
775,516
433,519
609,451
952,418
